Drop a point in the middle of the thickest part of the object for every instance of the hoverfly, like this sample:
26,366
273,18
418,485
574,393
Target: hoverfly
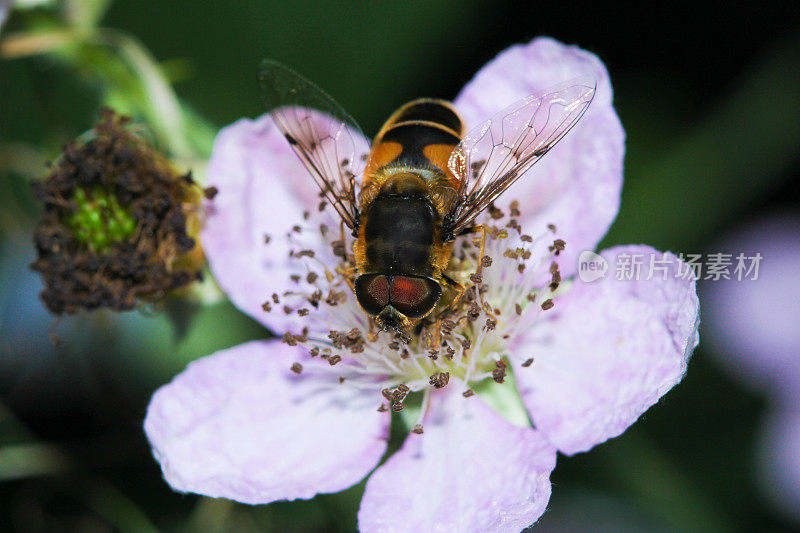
423,183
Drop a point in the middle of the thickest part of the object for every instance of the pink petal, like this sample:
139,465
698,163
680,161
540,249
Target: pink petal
470,471
610,349
577,185
263,190
240,425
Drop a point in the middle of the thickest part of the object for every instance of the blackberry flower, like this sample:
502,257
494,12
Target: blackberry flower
309,413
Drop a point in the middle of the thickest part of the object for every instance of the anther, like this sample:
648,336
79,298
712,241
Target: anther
417,429
499,372
297,368
528,362
210,192
440,379
398,395
557,247
339,249
547,304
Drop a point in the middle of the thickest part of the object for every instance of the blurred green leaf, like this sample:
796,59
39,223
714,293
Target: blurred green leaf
732,157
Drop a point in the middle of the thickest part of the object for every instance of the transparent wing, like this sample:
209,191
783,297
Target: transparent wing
327,140
496,153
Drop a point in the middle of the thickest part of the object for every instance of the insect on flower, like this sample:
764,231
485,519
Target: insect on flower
421,186
309,411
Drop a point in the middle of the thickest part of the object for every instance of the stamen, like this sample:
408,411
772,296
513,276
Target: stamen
468,340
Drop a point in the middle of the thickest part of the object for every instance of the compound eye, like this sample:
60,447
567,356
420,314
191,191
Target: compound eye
372,292
414,296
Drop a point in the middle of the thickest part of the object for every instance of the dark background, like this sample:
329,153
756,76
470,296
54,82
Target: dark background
708,95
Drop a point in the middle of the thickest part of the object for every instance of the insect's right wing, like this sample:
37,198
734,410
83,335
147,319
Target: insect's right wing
499,151
327,140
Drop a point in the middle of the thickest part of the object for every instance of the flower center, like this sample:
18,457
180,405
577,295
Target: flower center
469,337
99,220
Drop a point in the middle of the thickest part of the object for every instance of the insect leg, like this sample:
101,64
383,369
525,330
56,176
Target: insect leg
459,288
349,274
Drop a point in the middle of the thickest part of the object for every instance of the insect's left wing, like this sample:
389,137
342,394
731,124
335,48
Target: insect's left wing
327,140
497,152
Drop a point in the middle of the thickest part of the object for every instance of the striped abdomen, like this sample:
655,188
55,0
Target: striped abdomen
419,135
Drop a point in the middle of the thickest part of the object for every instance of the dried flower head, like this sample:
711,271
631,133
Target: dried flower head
117,225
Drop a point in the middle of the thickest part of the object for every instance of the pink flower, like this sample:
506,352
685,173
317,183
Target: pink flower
754,327
240,424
